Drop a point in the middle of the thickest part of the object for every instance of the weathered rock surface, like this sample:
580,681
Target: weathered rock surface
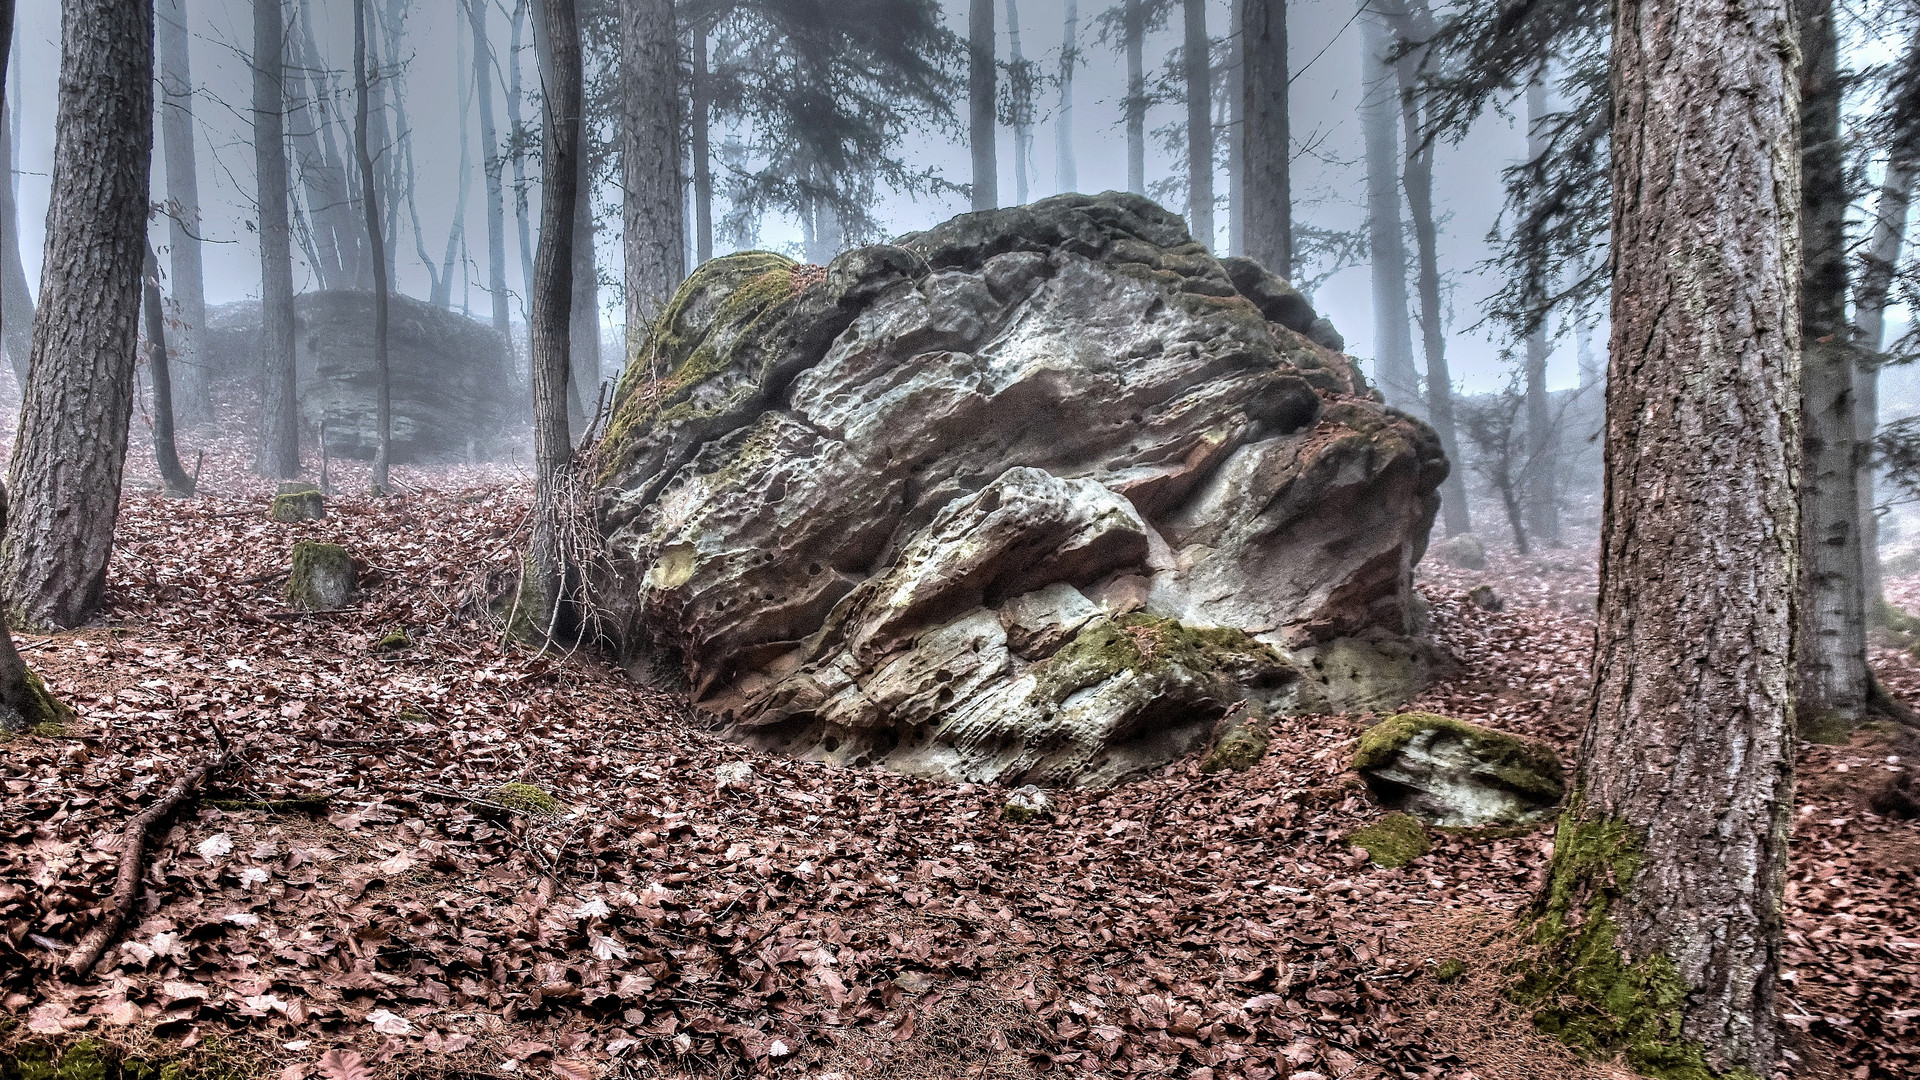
455,394
322,577
1449,772
1035,497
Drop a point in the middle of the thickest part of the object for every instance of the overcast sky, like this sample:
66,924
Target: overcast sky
1329,178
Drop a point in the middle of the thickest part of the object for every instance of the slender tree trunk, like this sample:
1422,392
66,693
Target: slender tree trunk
1022,86
279,411
1870,306
16,299
338,186
1833,671
322,176
553,297
522,216
23,697
1133,32
702,149
376,248
465,87
654,239
1669,865
1066,171
584,339
494,162
1414,22
980,118
166,454
1236,130
71,444
1542,469
1379,114
380,119
1264,135
183,197
1199,80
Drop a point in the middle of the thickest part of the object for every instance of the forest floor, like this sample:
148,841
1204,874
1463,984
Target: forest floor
803,921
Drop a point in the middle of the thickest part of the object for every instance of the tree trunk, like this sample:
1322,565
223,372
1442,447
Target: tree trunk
1236,130
584,338
1832,689
1870,305
522,216
1264,135
1066,171
323,171
16,299
72,445
1665,890
1021,84
553,298
494,163
1199,80
1414,22
980,118
654,239
1392,327
279,412
166,454
1133,32
376,250
183,198
1542,468
702,149
465,87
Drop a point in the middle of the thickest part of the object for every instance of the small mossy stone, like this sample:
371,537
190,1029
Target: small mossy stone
525,799
323,577
1393,841
1464,551
1449,969
393,641
1487,598
1451,772
1240,746
298,506
1027,805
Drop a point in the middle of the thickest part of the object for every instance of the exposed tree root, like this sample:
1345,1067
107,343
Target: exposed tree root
1885,704
133,851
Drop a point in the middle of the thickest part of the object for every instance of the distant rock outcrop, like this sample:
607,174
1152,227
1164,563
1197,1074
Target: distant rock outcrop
455,393
1036,497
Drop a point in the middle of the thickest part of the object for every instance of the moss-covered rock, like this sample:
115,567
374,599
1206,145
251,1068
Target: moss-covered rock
1450,772
1027,805
298,506
323,577
1240,746
393,641
1464,551
1574,976
1394,840
525,799
1149,645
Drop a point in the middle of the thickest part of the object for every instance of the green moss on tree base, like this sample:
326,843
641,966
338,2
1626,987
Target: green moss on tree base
1394,840
1580,987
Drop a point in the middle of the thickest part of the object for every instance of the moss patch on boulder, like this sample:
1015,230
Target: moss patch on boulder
1146,645
1240,746
1394,840
1451,772
298,506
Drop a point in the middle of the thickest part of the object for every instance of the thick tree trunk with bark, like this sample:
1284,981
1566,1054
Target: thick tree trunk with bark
1066,171
702,153
1414,22
493,164
654,240
160,369
376,247
1265,135
16,299
1833,675
1133,30
1542,468
183,199
553,300
1379,116
72,443
1665,891
980,111
279,414
1199,79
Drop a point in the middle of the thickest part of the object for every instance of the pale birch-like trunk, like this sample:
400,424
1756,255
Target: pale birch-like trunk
1379,117
279,452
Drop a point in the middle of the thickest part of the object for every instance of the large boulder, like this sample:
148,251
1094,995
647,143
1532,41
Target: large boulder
1453,773
1034,497
456,396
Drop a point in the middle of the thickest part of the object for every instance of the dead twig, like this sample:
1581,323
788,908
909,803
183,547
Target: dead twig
133,851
